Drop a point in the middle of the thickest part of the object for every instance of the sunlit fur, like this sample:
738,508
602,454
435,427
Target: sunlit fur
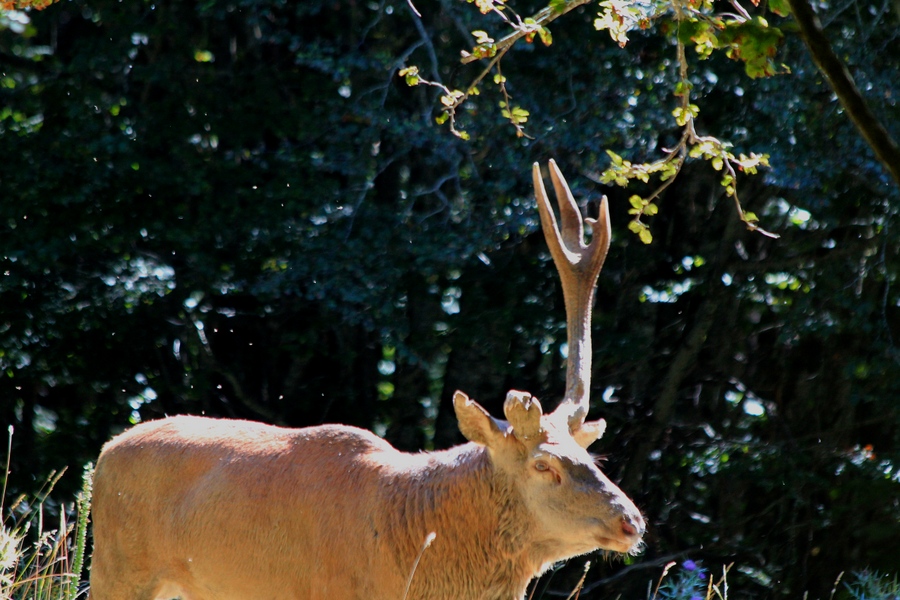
205,509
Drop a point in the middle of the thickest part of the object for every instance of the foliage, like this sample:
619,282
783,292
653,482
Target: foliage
871,585
743,37
25,4
38,563
689,582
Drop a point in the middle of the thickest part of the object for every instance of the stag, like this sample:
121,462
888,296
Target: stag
207,509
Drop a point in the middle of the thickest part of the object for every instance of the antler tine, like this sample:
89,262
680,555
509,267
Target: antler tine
578,265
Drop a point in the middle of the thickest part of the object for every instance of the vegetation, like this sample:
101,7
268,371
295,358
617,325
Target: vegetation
240,207
38,563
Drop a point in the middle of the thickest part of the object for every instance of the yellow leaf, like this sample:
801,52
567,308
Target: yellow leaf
204,56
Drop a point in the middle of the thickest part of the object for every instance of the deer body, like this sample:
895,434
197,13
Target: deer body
229,509
202,509
205,509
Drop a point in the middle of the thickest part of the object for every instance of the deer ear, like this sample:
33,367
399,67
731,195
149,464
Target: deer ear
475,423
589,432
523,411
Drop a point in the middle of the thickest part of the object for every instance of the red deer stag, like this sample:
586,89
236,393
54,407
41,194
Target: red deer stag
205,509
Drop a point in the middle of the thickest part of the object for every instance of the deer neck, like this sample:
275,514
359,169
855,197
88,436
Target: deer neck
480,528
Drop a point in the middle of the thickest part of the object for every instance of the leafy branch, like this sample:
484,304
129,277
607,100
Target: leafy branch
486,47
707,32
528,27
452,99
25,4
749,39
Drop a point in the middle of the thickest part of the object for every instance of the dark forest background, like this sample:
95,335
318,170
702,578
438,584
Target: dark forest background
238,208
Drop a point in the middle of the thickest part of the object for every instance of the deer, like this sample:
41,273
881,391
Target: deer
198,508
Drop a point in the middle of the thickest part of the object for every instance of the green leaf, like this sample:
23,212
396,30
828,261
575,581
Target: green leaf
645,235
687,29
410,75
557,6
204,56
683,88
385,390
780,7
545,36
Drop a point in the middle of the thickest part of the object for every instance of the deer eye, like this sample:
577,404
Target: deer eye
541,466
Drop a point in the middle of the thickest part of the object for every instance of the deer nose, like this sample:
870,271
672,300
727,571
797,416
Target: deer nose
632,526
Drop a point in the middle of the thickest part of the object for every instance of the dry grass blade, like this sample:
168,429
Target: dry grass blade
723,582
661,577
428,539
578,587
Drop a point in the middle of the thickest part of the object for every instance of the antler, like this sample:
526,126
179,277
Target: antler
579,266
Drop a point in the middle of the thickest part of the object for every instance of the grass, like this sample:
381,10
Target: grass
37,561
690,581
872,585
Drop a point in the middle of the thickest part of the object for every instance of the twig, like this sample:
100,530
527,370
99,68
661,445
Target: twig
429,46
413,8
541,18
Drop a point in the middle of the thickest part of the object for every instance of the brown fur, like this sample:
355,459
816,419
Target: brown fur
205,509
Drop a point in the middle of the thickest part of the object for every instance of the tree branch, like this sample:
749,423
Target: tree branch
878,138
541,18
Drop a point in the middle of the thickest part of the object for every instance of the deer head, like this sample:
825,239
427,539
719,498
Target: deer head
574,504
